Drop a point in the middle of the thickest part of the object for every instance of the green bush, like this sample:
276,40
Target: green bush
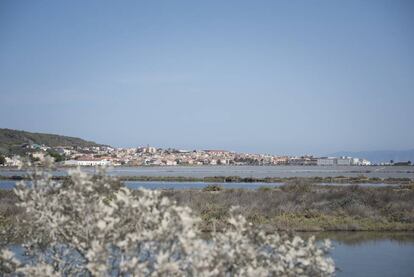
2,159
213,187
265,188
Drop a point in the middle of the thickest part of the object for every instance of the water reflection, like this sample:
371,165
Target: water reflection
379,254
371,253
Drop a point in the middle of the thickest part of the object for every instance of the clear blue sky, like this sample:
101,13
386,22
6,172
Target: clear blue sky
282,77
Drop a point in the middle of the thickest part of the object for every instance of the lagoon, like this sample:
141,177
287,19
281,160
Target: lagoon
358,254
381,257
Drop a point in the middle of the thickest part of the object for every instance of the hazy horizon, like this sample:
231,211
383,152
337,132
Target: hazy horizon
277,77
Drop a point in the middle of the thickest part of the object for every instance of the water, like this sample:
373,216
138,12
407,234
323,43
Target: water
5,184
374,258
249,171
381,254
195,185
387,254
363,254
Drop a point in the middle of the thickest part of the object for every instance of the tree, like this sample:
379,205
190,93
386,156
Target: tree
33,159
92,228
56,156
2,160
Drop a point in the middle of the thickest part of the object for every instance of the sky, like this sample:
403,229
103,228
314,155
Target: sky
278,77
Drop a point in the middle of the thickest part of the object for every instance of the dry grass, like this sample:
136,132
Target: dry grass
296,206
307,207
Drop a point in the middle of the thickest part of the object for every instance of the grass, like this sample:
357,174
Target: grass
213,187
307,207
293,207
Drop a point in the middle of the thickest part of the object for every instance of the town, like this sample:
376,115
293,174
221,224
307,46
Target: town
152,156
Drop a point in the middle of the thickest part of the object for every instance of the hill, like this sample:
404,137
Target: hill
380,156
11,141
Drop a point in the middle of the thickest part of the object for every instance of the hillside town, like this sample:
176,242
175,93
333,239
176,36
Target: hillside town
152,156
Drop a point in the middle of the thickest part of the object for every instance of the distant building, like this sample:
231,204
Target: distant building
344,161
402,163
304,160
62,151
326,161
365,162
222,161
35,146
38,155
155,162
148,149
357,161
216,152
213,162
169,162
13,161
87,161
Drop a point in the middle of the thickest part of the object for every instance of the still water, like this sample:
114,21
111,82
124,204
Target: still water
373,254
10,184
379,258
360,253
248,171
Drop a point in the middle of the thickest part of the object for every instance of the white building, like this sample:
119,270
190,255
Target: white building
13,161
326,161
222,161
88,162
344,161
365,162
170,162
357,161
63,151
149,149
38,155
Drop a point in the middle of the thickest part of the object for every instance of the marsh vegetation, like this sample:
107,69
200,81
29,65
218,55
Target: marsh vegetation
95,226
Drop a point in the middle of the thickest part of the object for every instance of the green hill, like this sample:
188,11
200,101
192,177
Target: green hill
11,141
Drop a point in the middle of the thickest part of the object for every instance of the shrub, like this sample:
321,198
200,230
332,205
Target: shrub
297,187
90,228
213,188
2,160
264,188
